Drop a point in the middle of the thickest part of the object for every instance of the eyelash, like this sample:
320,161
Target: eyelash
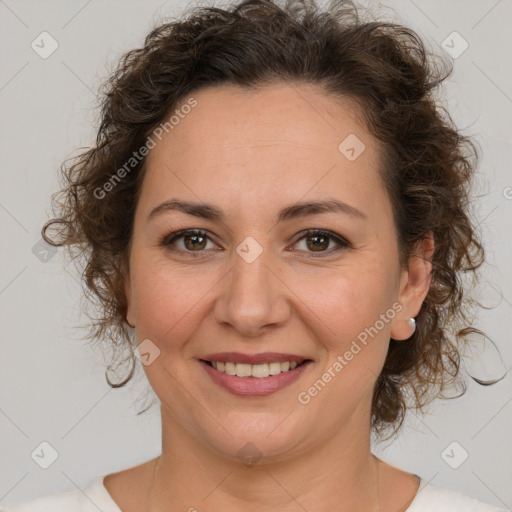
168,240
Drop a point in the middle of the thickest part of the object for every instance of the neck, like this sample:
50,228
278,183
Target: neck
189,475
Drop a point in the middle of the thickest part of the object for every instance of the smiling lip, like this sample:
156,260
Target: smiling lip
253,386
264,357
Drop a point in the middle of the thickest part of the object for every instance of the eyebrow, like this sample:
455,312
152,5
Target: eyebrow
211,212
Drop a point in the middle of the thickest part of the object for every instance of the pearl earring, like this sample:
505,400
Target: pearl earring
412,323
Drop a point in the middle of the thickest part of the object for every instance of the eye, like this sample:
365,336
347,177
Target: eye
196,240
319,240
193,240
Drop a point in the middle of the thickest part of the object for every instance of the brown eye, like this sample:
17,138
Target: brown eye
193,240
196,241
319,241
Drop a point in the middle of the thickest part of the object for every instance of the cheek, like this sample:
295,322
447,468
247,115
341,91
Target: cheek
167,301
352,309
347,298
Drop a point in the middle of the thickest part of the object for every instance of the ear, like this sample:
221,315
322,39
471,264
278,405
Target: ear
130,319
414,285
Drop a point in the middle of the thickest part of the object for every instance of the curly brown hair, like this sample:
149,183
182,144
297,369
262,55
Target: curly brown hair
427,164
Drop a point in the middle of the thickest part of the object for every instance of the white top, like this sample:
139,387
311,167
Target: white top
429,498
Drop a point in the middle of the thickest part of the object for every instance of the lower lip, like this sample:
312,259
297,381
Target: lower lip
253,386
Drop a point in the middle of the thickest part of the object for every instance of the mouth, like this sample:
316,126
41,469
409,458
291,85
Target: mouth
258,371
266,374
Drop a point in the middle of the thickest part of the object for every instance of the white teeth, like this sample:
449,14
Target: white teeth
254,370
260,370
243,370
274,368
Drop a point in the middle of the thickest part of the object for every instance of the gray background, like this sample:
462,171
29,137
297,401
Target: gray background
52,385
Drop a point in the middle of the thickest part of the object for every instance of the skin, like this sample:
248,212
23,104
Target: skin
250,153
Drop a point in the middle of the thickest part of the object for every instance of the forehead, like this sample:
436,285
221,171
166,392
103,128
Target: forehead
275,144
299,114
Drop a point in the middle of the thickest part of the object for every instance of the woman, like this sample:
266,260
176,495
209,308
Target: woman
275,213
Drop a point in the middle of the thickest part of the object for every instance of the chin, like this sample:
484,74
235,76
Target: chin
258,435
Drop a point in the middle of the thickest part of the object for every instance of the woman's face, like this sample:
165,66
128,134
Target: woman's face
254,282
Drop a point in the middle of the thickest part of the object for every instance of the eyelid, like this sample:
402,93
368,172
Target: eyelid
175,235
342,242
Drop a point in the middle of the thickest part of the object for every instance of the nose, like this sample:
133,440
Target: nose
254,297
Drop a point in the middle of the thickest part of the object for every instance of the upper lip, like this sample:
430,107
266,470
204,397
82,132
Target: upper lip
264,357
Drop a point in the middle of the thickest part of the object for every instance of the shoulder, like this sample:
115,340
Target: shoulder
93,498
433,498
